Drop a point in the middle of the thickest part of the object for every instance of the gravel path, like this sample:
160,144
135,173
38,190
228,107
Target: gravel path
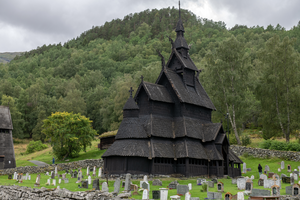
38,163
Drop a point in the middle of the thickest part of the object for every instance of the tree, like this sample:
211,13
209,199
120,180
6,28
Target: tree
227,80
69,133
278,88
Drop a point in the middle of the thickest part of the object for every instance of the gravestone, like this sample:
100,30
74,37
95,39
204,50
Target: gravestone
88,171
48,182
85,184
263,176
117,186
157,182
279,170
260,182
252,177
67,171
156,194
100,172
172,186
63,176
234,181
267,168
15,176
89,180
268,183
259,192
289,190
94,171
210,184
295,190
282,164
270,175
175,197
127,182
37,181
145,194
59,181
9,176
75,174
54,182
249,185
286,179
289,169
248,169
241,183
104,187
295,177
228,196
182,189
214,195
146,185
52,175
66,180
187,196
214,180
275,190
244,168
56,173
96,184
292,180
190,186
220,187
29,177
240,196
164,193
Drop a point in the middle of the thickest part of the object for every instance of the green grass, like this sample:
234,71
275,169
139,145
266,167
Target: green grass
251,162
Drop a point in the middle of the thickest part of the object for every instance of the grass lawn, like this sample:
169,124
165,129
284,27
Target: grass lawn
252,163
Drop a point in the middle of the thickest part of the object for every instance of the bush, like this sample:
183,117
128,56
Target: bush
34,146
265,144
246,140
204,187
292,146
232,139
276,145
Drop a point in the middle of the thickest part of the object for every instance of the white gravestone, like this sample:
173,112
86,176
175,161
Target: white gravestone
279,170
100,172
187,196
88,171
56,174
282,165
48,182
244,168
145,178
252,177
94,171
240,196
263,176
89,180
295,177
190,186
164,193
54,182
145,194
15,176
59,181
104,187
29,177
241,183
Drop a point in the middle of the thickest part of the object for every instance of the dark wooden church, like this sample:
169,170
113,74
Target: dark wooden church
167,128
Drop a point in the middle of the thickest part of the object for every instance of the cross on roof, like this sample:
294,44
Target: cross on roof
142,77
131,90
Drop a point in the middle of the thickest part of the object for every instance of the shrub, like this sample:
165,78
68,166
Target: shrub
265,144
34,146
276,145
232,139
292,146
246,140
204,187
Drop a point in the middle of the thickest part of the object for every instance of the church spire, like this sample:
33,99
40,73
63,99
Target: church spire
180,41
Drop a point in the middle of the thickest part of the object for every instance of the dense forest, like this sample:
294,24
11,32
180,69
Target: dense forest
251,73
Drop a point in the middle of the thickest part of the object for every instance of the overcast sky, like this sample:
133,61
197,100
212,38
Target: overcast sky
26,24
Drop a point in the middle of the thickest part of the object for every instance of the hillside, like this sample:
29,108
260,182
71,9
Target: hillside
91,74
8,56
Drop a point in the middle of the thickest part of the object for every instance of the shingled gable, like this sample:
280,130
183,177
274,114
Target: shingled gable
5,118
167,126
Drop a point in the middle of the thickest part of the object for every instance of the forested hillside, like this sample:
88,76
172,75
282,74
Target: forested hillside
252,73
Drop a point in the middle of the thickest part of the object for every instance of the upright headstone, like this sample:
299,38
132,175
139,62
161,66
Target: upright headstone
187,196
220,187
127,182
100,172
267,168
145,178
282,165
228,196
64,176
104,187
289,190
146,185
289,168
85,184
145,194
157,182
260,182
182,189
241,183
59,181
89,180
15,176
244,168
240,196
37,181
155,194
29,177
117,186
190,186
56,173
79,179
210,184
164,193
96,184
249,185
234,181
54,182
66,180
88,171
259,192
295,177
48,182
295,190
252,177
263,176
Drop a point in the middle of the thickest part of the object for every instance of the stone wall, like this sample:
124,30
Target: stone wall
265,153
60,167
22,193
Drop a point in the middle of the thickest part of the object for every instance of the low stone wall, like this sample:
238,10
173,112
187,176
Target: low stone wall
60,167
22,193
265,153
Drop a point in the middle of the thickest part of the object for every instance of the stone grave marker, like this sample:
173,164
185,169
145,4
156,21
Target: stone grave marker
94,171
289,190
234,181
292,180
267,168
157,182
29,177
175,197
279,170
259,192
252,177
249,185
214,195
156,194
187,196
127,182
190,186
48,182
275,190
261,182
88,171
295,177
104,187
210,184
135,190
52,175
96,184
145,178
220,187
117,185
248,169
295,190
146,185
89,180
79,178
66,180
145,194
263,176
164,193
240,196
286,179
54,182
282,165
15,176
67,171
37,181
289,169
241,183
9,176
228,196
268,183
84,184
172,186
270,175
59,181
244,168
214,180
64,176
182,189
56,174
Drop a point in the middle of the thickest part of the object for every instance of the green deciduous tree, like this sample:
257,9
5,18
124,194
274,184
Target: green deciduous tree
69,133
227,80
278,88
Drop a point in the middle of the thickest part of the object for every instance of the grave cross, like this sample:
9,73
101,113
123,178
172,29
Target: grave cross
131,90
142,77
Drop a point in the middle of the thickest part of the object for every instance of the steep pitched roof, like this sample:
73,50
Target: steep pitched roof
155,92
130,104
131,128
5,118
185,61
200,98
212,152
233,157
190,148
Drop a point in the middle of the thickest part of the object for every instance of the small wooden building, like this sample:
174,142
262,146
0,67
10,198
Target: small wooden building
6,140
107,139
167,127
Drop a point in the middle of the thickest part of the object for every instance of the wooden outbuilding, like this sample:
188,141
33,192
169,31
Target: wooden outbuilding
167,127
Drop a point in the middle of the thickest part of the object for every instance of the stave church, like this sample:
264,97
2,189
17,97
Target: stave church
167,127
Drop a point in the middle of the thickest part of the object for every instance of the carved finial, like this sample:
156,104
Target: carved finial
179,10
162,59
142,78
131,90
172,42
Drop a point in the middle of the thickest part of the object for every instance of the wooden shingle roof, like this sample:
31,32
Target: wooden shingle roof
234,158
131,128
5,118
130,104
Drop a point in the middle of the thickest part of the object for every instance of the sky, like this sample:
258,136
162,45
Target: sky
27,24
